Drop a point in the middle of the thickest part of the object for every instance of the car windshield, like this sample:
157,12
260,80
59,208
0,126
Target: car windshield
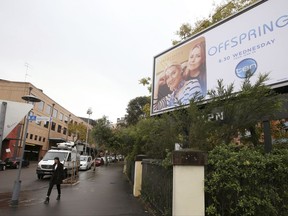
83,158
51,155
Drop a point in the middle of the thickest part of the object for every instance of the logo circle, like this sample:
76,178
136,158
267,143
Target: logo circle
246,68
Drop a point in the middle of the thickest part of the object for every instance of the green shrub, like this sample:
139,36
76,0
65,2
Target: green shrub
244,181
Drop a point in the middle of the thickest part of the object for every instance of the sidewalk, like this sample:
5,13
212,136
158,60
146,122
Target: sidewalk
105,192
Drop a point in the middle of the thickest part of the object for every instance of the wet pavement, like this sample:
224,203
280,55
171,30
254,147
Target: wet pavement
105,192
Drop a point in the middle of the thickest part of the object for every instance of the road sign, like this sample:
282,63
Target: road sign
39,118
32,118
43,118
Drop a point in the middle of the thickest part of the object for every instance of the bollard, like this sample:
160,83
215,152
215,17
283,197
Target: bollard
188,183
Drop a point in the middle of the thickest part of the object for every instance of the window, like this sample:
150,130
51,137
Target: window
66,119
64,131
55,113
53,126
44,139
40,105
48,109
46,125
61,116
69,157
59,128
31,136
35,137
40,138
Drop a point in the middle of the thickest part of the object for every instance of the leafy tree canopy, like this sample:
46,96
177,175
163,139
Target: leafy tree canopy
137,109
78,131
102,132
222,11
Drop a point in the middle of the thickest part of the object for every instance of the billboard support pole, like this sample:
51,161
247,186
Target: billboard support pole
2,123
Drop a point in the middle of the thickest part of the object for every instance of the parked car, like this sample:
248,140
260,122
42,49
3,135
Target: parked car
14,163
99,161
85,162
120,157
2,165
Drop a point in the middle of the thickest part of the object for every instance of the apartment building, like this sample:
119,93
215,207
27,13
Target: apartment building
41,135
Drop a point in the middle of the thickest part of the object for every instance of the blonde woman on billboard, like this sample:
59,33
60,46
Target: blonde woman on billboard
182,91
196,64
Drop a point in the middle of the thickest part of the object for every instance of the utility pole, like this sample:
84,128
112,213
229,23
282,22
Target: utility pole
2,123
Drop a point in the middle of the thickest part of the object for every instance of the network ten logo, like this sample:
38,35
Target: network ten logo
246,68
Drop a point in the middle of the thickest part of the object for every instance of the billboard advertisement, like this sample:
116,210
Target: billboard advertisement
254,40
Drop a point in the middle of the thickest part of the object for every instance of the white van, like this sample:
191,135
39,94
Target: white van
68,155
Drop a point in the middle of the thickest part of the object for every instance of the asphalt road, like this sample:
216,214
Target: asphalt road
105,192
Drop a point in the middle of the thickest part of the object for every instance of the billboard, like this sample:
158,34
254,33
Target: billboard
253,40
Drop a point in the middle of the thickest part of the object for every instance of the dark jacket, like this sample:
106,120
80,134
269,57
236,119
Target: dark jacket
58,173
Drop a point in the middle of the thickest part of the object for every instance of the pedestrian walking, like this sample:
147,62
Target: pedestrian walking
57,177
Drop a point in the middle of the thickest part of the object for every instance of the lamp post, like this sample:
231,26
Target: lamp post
17,183
89,112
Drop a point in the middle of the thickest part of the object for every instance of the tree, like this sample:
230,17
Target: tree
221,12
78,131
136,109
240,114
102,132
146,81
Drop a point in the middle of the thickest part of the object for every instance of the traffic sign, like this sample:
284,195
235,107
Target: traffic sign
32,118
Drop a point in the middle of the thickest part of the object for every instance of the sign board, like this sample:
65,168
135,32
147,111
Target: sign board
254,41
39,118
15,112
32,118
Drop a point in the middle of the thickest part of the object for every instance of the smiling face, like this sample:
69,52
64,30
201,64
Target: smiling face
173,76
196,58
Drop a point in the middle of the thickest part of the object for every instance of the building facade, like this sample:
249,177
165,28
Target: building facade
41,135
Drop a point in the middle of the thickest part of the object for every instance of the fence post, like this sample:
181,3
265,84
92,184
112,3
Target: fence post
188,183
138,175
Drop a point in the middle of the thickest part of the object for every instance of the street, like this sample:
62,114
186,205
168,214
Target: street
103,192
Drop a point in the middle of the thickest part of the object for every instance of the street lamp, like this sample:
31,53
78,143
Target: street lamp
89,112
17,183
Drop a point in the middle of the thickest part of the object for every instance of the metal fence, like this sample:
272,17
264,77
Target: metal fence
130,166
157,186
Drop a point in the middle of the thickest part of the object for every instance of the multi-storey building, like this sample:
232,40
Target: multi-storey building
40,135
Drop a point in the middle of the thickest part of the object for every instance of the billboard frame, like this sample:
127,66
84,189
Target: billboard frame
190,39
